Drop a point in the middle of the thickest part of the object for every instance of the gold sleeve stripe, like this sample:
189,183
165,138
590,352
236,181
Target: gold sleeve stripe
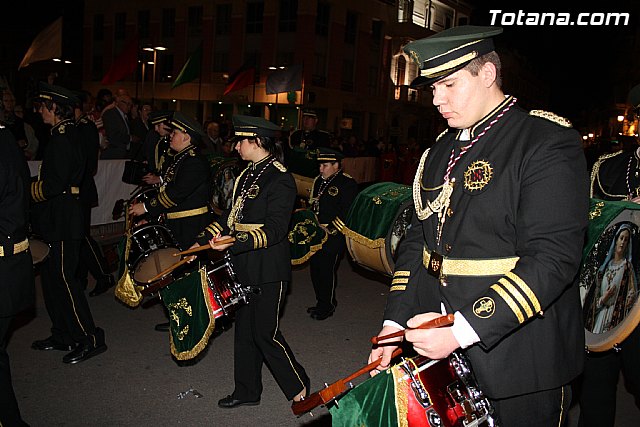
398,288
260,238
338,224
518,296
400,280
264,236
252,233
214,228
510,302
165,200
36,191
526,289
40,189
401,273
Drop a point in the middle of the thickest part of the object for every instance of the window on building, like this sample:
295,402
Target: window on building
351,28
376,32
165,67
223,19
119,26
284,58
97,67
194,21
220,62
168,22
401,71
372,83
288,16
347,75
322,18
98,27
320,69
144,17
255,11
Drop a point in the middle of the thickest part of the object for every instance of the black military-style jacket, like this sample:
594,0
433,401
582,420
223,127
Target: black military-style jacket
184,196
57,212
332,199
260,253
519,208
16,269
616,176
309,139
90,143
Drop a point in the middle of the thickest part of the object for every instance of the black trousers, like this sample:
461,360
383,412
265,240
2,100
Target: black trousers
548,408
64,297
92,259
9,411
323,266
600,381
258,340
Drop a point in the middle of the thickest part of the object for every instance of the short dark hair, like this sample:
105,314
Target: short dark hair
475,65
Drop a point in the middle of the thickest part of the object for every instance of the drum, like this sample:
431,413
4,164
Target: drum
226,294
151,251
306,236
609,274
376,223
224,170
39,250
304,167
427,393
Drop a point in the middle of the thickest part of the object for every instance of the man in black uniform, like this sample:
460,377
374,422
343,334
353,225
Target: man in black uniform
91,257
16,269
614,176
501,204
332,193
58,219
263,200
156,147
309,137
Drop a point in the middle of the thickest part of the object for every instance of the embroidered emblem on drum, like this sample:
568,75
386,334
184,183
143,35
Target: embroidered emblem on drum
153,202
333,191
477,175
253,191
484,307
242,236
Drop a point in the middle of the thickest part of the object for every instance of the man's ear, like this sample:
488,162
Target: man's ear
488,73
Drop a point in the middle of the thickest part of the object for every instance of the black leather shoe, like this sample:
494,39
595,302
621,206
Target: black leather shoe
50,344
162,327
84,352
103,286
231,402
322,315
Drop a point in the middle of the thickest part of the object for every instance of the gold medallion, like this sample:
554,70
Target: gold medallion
477,175
333,190
484,307
242,236
253,191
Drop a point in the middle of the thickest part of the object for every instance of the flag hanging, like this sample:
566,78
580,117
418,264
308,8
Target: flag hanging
125,64
241,78
191,69
286,80
46,45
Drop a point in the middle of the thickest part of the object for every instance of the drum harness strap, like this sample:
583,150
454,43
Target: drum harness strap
16,248
188,213
472,267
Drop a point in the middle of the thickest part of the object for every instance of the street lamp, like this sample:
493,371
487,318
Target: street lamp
155,50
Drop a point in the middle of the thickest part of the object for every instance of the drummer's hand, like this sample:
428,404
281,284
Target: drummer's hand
435,343
151,179
217,246
384,351
136,209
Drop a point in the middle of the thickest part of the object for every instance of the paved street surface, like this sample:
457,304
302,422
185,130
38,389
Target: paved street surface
137,382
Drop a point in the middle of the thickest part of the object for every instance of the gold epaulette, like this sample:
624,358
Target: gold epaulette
279,166
347,175
441,134
552,117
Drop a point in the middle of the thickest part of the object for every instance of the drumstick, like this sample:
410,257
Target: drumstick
170,269
205,247
331,391
435,323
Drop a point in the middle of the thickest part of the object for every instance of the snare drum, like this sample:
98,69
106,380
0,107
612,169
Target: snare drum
226,294
376,223
427,393
151,252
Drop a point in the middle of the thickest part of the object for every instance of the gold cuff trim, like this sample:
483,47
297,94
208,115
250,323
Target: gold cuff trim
517,295
473,267
398,288
185,214
526,289
510,302
400,280
17,248
247,227
401,273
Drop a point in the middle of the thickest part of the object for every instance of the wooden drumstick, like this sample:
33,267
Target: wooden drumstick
205,247
170,269
438,322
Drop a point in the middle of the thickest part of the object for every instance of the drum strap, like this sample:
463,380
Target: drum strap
185,214
16,248
472,267
247,227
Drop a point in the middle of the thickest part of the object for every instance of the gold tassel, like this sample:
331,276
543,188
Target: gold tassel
126,290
